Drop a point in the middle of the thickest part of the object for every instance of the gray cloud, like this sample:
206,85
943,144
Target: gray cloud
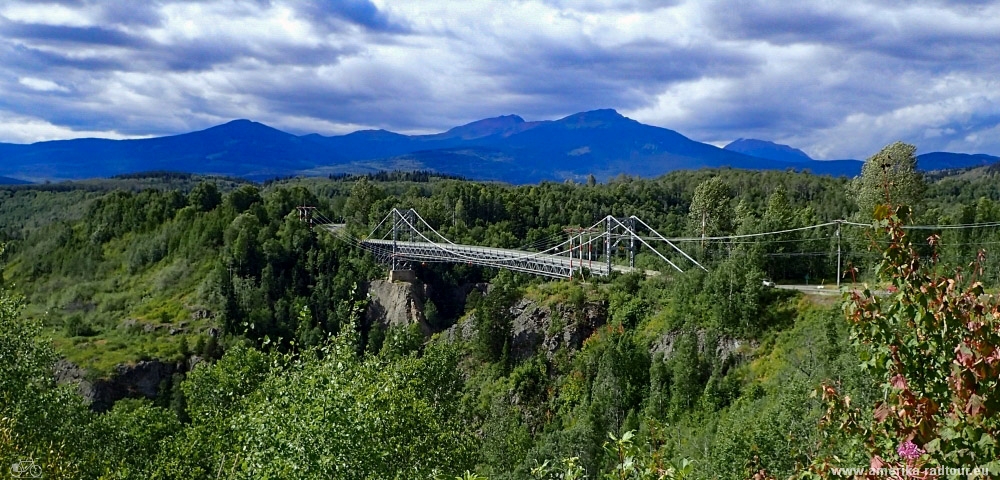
837,79
868,67
96,36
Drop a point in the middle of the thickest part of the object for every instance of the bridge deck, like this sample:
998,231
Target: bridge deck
557,266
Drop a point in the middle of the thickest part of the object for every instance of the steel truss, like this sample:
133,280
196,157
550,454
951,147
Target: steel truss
413,240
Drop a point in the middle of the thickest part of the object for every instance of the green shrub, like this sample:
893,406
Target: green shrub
77,326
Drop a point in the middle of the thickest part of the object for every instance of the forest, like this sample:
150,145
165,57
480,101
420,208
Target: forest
695,375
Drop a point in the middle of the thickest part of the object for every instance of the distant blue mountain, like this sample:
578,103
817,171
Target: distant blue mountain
795,157
926,162
12,181
240,148
947,160
600,142
766,149
506,148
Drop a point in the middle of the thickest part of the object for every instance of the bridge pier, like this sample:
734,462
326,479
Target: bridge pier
402,276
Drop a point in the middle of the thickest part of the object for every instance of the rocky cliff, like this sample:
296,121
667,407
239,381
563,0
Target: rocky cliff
396,304
542,329
141,380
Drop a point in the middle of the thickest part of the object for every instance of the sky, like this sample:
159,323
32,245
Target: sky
836,78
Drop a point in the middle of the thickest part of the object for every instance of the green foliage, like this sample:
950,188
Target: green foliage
631,462
494,323
212,391
400,415
76,326
131,436
37,420
324,413
241,199
567,469
710,213
889,176
505,437
296,393
932,344
359,207
776,432
620,382
205,197
400,341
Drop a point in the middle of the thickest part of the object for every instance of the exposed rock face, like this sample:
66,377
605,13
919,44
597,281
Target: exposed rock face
541,329
396,304
128,381
725,349
68,372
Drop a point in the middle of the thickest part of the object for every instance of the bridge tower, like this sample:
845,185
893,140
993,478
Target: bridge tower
403,224
616,230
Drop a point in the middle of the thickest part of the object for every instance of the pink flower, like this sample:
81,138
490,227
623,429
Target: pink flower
909,450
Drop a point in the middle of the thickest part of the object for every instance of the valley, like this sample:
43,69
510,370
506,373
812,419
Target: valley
211,327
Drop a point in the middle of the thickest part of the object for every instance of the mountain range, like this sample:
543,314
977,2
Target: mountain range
12,181
507,148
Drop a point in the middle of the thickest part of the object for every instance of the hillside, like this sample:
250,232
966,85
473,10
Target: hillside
236,330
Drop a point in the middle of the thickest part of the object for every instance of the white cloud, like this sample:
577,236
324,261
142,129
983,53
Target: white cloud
23,129
41,84
46,14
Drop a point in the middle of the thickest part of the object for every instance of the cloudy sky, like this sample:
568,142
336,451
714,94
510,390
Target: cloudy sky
837,78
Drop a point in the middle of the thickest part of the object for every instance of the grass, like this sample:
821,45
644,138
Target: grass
131,315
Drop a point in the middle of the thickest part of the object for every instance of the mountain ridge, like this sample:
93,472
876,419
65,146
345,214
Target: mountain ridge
767,149
12,181
507,148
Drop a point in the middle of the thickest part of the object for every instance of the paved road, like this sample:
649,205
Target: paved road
830,290
813,289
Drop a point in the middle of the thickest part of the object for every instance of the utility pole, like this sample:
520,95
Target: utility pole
703,225
631,243
583,235
838,254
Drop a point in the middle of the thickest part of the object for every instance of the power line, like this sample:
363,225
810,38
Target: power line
842,222
932,227
753,235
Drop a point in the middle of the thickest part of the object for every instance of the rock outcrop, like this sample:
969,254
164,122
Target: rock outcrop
542,329
396,304
726,348
141,380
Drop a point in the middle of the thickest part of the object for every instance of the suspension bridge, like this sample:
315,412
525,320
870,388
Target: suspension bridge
404,238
